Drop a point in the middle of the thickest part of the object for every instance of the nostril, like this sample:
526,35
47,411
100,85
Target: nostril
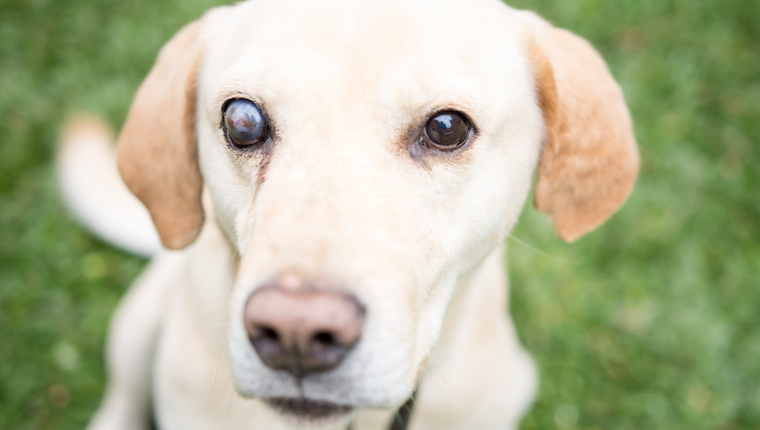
263,333
324,338
324,351
269,334
268,344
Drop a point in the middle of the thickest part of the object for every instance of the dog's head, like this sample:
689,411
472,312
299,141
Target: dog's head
362,157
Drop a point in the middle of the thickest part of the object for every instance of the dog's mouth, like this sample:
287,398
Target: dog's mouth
309,410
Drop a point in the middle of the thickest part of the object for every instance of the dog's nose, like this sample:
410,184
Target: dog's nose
302,330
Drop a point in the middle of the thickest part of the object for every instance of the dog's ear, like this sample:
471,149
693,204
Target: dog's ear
590,161
157,148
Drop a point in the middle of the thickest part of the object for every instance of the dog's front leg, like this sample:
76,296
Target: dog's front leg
131,345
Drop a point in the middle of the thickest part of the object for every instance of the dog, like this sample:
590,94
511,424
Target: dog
332,183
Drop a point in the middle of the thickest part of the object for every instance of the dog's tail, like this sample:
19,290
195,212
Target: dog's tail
94,191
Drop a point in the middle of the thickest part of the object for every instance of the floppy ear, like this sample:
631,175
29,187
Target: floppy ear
157,149
589,161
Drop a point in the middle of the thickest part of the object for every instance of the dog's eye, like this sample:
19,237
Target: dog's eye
245,123
446,130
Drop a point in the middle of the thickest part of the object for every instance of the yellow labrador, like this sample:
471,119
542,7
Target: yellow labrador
338,177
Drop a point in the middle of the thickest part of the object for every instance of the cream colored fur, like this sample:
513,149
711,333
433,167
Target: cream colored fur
418,240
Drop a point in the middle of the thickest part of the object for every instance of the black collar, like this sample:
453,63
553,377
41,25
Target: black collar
402,416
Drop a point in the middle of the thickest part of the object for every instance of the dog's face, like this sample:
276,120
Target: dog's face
382,149
349,185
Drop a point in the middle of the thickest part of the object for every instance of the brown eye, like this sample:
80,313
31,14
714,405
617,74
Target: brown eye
244,123
447,130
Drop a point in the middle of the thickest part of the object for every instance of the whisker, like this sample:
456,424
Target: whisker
203,322
544,254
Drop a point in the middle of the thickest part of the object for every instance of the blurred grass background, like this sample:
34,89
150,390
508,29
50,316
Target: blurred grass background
651,322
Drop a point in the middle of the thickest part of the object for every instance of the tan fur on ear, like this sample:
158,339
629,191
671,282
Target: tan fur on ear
590,160
157,149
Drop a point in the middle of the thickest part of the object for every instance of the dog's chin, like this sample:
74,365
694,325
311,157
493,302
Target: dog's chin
305,410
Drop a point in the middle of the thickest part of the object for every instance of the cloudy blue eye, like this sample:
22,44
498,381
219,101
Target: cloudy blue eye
245,123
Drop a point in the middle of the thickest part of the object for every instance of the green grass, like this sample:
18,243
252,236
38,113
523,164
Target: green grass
651,322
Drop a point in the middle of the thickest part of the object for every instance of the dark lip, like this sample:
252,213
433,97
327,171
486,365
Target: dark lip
306,409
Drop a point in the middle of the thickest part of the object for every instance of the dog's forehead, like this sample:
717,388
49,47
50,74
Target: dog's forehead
408,56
